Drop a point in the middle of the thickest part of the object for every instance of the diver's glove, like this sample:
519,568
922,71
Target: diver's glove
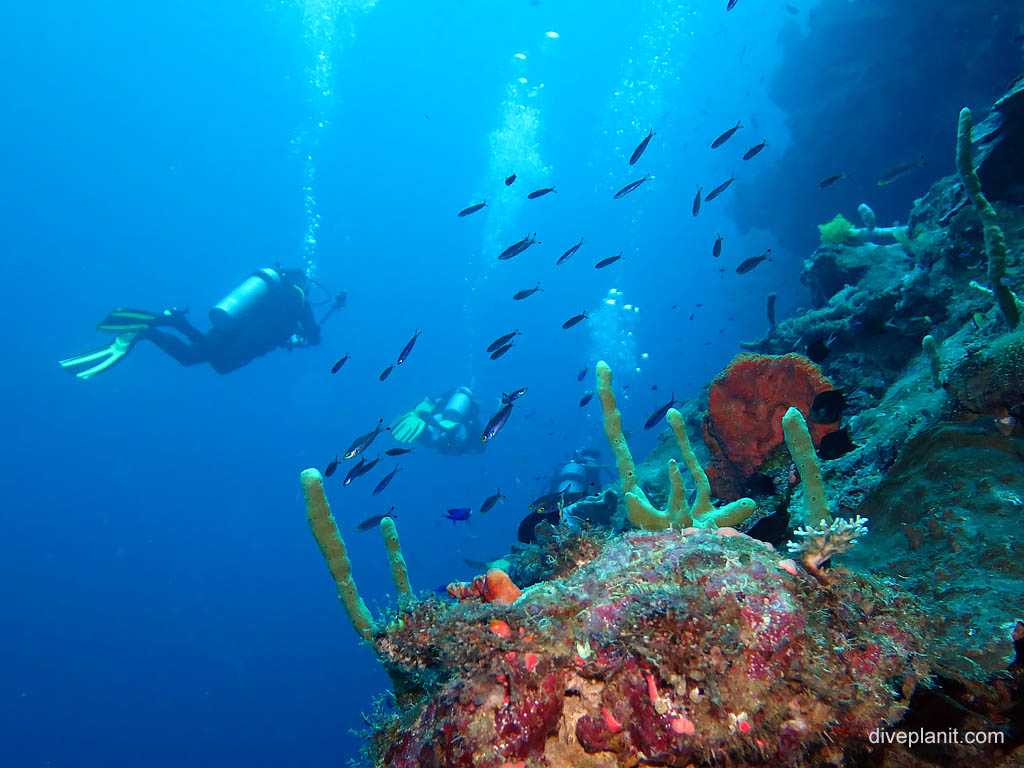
410,425
104,357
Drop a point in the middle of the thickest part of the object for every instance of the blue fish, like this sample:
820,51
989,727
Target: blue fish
659,414
459,514
355,471
581,374
384,482
408,348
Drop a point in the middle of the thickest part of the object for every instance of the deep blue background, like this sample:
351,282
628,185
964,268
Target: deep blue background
163,600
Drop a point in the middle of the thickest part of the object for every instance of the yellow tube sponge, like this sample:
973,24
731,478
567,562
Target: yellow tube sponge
677,514
801,448
612,420
332,546
399,572
995,241
931,349
702,503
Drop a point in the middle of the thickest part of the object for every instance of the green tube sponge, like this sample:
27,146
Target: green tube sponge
399,572
995,241
332,546
801,448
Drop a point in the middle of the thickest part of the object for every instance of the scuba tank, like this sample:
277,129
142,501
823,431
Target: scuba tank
458,406
572,478
246,298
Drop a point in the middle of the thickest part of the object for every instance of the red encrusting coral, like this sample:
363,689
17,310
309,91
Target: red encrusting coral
743,425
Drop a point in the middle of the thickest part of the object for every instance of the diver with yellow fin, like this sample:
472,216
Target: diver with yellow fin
271,309
452,429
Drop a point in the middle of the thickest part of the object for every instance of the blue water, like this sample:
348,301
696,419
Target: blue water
163,600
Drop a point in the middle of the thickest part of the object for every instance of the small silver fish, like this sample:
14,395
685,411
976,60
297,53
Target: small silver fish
718,190
629,188
640,148
526,293
361,443
500,351
372,522
748,264
490,501
606,262
331,468
900,172
565,256
497,421
540,193
754,151
728,134
516,248
828,182
501,340
472,209
512,397
575,320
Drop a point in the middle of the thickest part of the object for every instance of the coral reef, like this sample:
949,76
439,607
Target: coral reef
665,649
946,523
743,425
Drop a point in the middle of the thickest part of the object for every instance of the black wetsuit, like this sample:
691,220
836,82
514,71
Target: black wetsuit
285,313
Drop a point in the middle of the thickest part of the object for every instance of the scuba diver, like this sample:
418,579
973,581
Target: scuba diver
270,309
579,478
454,429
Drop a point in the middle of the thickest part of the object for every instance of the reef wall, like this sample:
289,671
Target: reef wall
868,87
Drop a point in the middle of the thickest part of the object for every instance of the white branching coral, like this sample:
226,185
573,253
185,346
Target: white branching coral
819,543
